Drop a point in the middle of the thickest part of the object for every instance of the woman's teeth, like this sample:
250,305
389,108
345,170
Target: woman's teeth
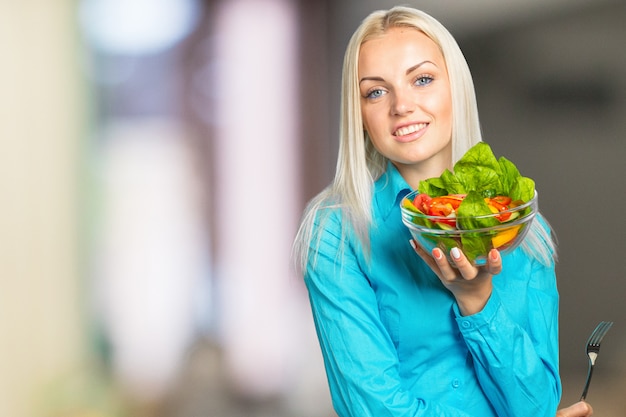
409,129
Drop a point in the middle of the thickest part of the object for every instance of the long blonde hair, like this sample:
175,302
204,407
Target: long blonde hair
359,164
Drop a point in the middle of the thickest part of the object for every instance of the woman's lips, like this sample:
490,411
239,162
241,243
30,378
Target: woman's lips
409,129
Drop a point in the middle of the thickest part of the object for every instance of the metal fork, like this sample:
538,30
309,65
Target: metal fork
593,347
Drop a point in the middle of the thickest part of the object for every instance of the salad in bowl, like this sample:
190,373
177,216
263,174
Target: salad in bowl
484,203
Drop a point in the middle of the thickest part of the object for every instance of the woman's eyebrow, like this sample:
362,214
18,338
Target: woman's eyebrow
414,67
371,79
408,71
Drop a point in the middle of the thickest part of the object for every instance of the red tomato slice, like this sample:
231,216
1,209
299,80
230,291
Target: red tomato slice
502,199
453,200
499,204
444,207
440,209
422,202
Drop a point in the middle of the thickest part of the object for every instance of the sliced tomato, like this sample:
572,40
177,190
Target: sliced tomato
498,204
438,208
444,207
422,202
454,200
502,199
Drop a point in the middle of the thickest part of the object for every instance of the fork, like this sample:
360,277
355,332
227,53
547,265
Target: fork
593,347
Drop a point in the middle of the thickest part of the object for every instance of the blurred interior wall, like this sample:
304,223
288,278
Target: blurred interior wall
148,265
256,192
41,320
257,100
151,257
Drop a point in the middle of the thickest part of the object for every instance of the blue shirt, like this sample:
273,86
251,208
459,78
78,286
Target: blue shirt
395,344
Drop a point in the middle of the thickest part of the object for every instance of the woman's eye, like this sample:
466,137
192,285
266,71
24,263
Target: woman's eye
376,93
423,80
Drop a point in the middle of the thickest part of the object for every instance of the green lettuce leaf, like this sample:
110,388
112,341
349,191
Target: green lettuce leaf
474,205
479,174
479,170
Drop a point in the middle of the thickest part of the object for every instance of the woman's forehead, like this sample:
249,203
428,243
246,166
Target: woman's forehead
396,45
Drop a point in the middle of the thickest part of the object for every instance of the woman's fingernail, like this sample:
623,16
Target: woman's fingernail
456,253
412,242
494,255
437,253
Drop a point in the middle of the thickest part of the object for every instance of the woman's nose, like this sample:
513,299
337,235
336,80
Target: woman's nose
403,103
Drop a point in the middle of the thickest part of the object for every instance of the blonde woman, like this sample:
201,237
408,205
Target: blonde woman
405,333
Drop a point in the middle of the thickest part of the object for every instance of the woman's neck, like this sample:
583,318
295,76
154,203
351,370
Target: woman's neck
414,173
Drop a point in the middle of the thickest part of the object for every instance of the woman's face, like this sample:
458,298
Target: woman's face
406,102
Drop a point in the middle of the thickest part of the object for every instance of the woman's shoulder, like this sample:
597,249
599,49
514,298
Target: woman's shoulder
332,224
332,248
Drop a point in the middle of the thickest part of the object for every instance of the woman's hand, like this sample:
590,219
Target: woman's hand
470,285
579,409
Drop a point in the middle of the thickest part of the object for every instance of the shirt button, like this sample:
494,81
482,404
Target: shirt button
466,324
456,383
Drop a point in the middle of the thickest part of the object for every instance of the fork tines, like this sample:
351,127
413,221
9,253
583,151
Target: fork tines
592,348
593,344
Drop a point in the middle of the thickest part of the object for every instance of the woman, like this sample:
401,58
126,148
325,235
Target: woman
403,334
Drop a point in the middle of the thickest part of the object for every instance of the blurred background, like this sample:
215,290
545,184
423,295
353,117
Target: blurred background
156,157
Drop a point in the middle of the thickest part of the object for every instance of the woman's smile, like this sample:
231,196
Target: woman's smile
408,132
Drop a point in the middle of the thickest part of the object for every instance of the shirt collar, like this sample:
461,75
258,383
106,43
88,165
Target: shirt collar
389,190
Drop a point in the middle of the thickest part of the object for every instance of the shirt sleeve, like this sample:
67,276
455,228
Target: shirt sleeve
514,344
360,358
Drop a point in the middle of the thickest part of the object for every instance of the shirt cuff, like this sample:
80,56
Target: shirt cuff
482,318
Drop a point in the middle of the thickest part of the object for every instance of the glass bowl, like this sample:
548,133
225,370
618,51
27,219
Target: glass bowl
436,231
